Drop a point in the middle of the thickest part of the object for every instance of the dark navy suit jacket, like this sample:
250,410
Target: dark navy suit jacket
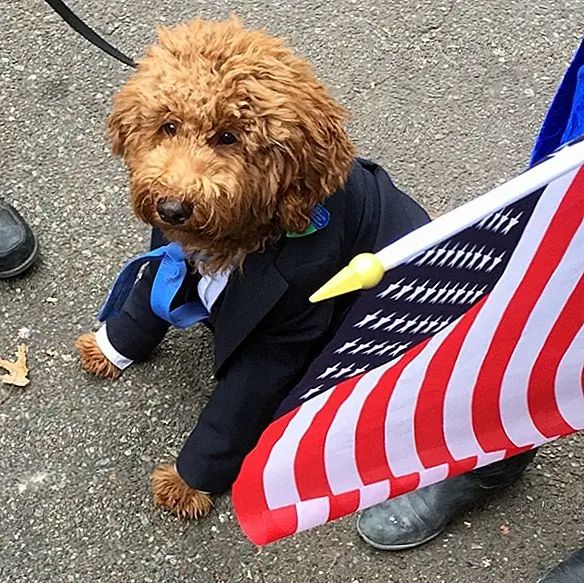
266,330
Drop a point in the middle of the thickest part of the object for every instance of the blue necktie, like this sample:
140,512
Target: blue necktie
167,282
169,278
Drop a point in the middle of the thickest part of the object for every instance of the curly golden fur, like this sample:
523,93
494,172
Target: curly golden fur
235,127
93,360
230,140
171,492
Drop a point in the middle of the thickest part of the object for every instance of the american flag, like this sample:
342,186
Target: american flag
470,352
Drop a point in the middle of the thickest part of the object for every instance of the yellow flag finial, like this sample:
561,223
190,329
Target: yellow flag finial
363,272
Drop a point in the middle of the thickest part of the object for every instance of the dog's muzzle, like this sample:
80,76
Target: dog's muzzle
174,211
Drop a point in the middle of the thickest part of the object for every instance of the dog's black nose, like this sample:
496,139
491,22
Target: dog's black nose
174,211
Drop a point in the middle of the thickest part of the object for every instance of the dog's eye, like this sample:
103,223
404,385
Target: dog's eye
226,138
169,128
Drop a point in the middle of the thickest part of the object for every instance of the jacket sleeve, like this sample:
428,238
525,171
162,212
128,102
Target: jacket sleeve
261,373
136,331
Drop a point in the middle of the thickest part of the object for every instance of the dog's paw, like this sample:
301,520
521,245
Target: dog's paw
93,359
171,492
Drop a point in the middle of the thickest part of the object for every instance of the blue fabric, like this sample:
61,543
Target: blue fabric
167,281
564,120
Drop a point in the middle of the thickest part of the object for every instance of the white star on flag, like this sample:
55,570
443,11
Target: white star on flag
512,222
361,347
421,326
448,255
467,256
344,372
368,318
438,253
311,392
381,322
479,293
375,348
387,349
419,289
483,222
329,371
501,222
434,324
400,348
409,324
459,292
476,256
440,293
449,294
457,256
425,256
429,292
347,345
486,258
395,324
470,293
403,291
494,219
495,262
390,288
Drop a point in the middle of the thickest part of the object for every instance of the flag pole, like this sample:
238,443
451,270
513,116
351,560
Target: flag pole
366,270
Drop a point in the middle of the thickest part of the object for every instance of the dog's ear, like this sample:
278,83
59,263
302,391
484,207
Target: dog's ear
318,158
119,120
117,134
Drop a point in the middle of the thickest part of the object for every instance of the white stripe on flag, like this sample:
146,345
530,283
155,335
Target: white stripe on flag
514,406
486,459
569,389
458,420
373,494
339,446
400,444
278,476
433,475
312,513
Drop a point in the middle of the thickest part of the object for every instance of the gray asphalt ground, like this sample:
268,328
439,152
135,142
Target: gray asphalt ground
447,94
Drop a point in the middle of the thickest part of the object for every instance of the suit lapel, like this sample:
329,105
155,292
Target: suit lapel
246,300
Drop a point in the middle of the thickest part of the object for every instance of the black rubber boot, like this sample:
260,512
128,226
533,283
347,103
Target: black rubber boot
569,571
419,516
18,244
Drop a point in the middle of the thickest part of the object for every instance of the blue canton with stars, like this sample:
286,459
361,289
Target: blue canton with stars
416,300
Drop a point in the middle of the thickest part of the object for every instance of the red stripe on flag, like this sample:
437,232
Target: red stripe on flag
309,461
517,451
370,455
487,422
343,504
541,395
429,414
463,466
248,495
275,524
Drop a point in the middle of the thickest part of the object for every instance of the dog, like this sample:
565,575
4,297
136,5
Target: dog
238,155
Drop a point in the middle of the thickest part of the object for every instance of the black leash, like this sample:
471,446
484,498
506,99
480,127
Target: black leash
79,26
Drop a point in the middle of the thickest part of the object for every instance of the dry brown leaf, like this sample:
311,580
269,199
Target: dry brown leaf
17,371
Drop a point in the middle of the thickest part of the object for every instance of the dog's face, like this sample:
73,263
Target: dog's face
229,138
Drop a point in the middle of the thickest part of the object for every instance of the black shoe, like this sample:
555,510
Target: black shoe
416,518
18,244
570,571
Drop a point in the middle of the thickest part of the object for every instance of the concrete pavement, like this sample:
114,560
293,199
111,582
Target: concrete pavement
448,95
